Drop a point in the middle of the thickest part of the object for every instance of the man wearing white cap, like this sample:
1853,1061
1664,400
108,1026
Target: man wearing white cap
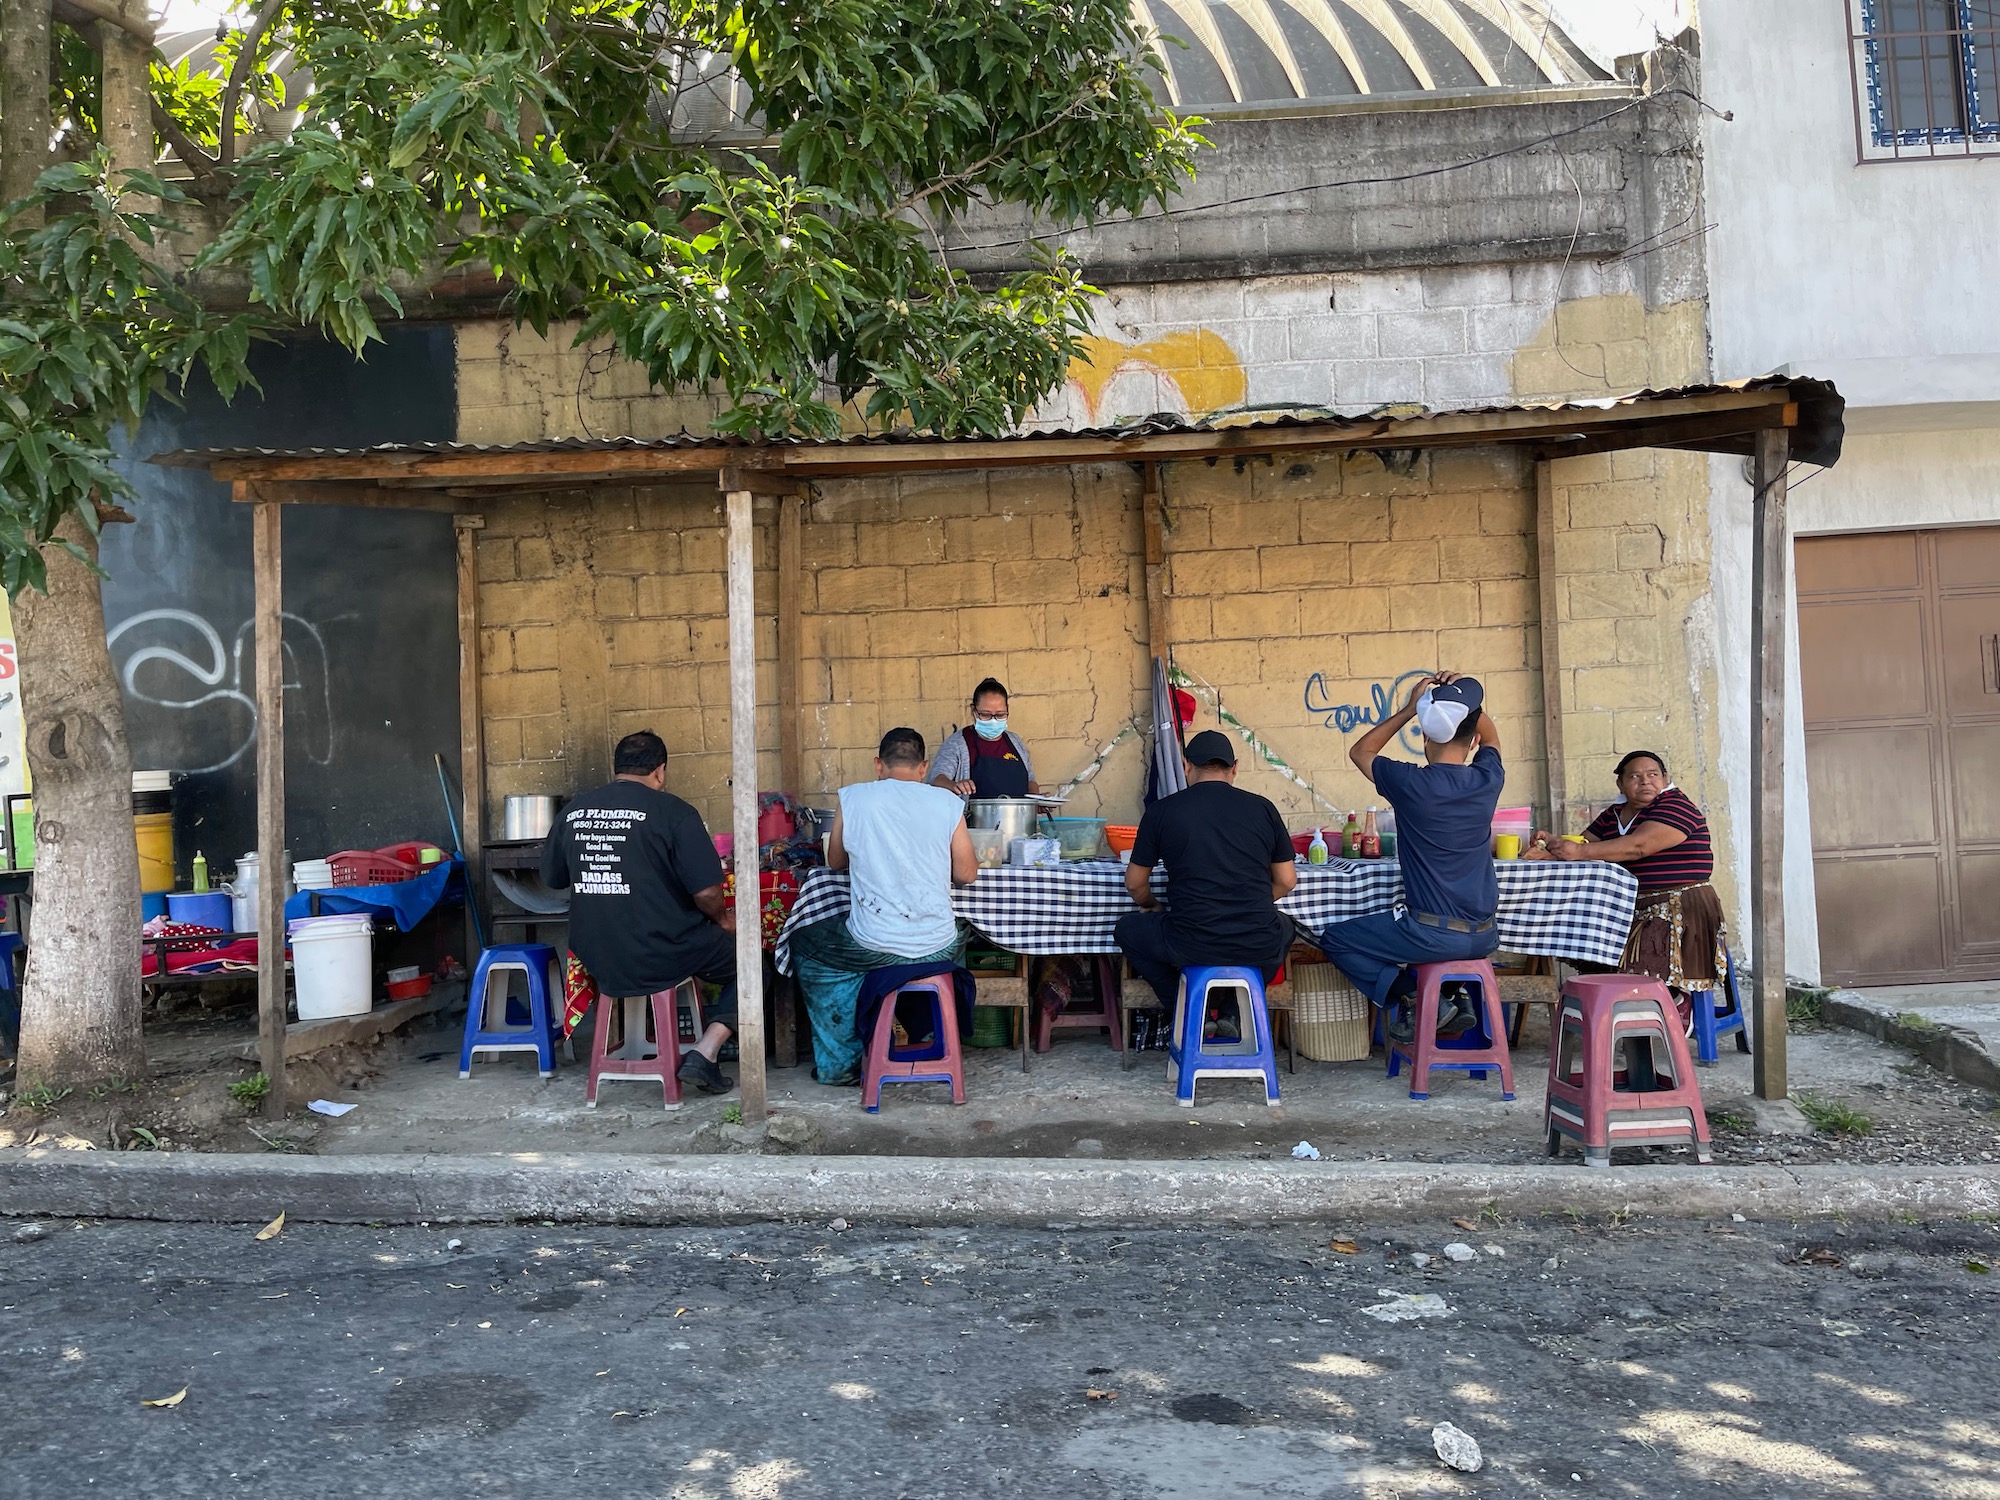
1444,831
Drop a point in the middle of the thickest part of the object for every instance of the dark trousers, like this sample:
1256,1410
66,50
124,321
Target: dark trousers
1375,950
1149,946
710,956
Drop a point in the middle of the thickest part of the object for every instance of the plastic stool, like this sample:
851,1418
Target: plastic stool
938,1061
1191,1056
489,1022
1598,1012
653,1055
1710,1026
11,943
1483,1047
1105,1017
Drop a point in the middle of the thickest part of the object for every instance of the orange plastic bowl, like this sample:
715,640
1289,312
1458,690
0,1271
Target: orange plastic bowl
1120,836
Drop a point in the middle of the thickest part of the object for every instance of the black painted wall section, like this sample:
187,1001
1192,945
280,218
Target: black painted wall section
371,627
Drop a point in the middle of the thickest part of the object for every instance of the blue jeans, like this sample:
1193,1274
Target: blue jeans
831,966
1374,950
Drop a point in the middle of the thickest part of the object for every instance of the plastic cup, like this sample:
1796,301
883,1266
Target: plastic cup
1507,846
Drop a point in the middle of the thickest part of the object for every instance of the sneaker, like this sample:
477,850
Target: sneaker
1459,1017
1401,1027
842,1081
700,1073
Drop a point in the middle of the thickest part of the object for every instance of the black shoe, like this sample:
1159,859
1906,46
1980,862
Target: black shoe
1401,1027
700,1073
844,1081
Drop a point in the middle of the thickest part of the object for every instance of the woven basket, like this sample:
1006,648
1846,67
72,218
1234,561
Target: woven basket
1329,1014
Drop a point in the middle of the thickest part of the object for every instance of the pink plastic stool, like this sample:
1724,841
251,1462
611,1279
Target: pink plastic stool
1107,1016
940,1061
1479,1049
639,1055
1599,1011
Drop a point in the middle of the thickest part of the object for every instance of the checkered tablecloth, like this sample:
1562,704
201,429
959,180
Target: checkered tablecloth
1569,909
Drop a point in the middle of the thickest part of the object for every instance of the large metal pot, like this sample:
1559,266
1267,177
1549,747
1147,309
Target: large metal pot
527,818
1016,817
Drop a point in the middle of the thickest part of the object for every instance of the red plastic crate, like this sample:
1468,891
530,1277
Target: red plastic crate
367,867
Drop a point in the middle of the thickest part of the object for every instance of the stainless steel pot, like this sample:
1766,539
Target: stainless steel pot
528,818
1016,817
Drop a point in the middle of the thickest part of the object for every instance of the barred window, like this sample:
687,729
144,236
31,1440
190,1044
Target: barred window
1927,77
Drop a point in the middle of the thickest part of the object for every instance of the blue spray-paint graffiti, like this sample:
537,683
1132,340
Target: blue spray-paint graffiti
1384,700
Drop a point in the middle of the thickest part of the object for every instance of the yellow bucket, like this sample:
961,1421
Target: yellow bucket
155,833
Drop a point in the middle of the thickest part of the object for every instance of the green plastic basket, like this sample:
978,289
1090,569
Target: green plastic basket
989,1026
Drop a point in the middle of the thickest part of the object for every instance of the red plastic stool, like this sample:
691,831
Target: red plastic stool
656,1057
939,1061
1107,1016
1483,1047
1597,1013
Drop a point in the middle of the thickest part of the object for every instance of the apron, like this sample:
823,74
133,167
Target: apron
997,768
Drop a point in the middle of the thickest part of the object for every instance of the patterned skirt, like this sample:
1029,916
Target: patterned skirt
1677,937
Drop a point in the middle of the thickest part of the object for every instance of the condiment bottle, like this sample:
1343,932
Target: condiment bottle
1350,836
200,872
1371,838
1316,850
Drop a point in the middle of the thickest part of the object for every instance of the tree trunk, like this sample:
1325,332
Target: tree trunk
24,95
80,1010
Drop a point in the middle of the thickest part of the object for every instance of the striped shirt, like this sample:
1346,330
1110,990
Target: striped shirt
1688,863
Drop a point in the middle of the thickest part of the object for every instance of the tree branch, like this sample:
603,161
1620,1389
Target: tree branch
967,174
197,160
239,72
109,11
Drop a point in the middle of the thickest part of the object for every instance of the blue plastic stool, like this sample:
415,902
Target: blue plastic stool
1190,1057
1709,1026
10,994
489,1013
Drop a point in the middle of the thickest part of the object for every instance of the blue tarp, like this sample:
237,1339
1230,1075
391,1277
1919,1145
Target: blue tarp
405,903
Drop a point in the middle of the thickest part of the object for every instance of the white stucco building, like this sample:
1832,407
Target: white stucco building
1852,155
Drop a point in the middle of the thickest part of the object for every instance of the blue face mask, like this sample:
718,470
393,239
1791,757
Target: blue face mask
990,729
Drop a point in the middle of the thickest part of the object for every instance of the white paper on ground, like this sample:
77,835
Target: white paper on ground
328,1107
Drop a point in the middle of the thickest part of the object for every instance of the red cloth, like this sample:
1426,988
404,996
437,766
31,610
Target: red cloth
236,957
579,994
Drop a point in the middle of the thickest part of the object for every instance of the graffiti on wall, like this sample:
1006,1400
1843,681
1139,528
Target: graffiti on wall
1383,701
1199,363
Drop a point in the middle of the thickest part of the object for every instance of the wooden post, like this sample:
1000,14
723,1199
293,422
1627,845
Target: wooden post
471,730
1157,640
267,564
1770,568
1552,680
791,685
743,804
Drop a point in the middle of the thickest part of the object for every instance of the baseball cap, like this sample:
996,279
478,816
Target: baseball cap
1445,706
1210,745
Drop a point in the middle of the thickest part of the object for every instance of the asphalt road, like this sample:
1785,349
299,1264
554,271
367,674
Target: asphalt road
797,1362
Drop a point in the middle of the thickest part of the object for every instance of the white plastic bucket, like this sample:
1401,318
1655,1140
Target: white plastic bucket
331,961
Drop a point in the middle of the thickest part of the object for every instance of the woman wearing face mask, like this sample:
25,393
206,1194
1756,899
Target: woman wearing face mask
987,759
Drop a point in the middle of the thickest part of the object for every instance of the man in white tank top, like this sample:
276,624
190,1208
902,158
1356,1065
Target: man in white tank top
904,844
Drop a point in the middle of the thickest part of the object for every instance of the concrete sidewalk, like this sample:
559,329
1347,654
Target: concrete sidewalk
709,1190
1953,1027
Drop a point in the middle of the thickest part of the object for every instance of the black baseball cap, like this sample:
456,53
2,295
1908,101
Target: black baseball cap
1209,746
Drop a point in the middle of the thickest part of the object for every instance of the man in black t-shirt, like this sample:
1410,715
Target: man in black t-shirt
1228,859
646,909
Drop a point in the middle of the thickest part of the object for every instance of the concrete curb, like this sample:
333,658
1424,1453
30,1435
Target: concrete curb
696,1190
1952,1050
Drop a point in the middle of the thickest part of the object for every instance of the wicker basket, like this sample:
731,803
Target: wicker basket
1329,1015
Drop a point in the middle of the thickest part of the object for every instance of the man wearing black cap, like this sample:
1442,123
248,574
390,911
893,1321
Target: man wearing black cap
1229,859
1444,841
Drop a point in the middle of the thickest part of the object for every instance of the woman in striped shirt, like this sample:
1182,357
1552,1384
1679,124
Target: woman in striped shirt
1661,837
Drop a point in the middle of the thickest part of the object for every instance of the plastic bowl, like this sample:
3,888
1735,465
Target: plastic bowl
409,989
990,846
1076,838
1120,836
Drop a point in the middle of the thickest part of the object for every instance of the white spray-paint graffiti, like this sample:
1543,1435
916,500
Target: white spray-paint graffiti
215,675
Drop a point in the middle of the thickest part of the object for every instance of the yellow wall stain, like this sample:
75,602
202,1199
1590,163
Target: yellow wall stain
1198,361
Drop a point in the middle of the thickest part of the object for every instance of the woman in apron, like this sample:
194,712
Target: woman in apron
986,759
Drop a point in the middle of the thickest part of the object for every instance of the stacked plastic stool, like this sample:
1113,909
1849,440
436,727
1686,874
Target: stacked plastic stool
1106,1016
1478,1051
941,1060
490,1002
649,1054
1598,1014
1192,1056
1711,1025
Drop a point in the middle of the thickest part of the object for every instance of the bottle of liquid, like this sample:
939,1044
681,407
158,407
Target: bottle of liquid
1387,827
200,872
1350,836
1371,838
1316,850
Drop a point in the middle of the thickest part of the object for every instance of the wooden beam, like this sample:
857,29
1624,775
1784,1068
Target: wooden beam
473,465
366,494
1770,566
791,646
743,804
1153,503
756,482
1553,739
471,730
1731,429
267,568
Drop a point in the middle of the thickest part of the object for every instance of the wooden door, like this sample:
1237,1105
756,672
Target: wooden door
1899,644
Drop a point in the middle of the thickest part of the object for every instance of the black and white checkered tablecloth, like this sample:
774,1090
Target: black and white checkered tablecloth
1573,909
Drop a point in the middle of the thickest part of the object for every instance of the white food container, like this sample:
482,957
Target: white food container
1034,853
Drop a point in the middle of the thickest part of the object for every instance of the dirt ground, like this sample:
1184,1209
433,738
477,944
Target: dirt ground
1074,1101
